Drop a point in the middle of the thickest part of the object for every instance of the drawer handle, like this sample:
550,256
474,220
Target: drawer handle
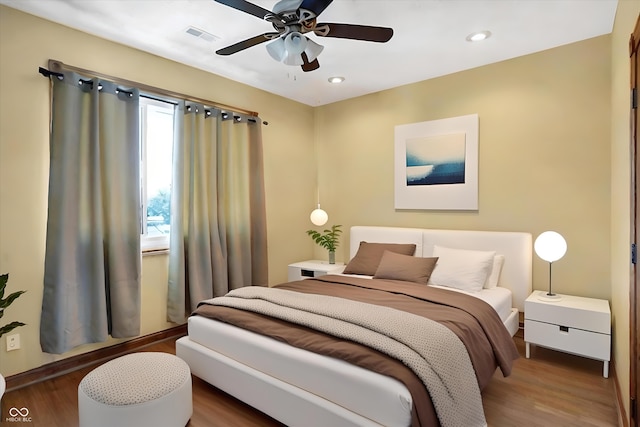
564,329
306,273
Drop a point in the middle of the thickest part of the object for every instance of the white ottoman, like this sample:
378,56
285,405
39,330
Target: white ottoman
139,389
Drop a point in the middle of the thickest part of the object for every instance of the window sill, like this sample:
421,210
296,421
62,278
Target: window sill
152,252
156,245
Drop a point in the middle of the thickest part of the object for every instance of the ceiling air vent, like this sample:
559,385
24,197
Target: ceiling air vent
196,32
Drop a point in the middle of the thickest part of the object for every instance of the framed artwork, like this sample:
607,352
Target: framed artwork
436,164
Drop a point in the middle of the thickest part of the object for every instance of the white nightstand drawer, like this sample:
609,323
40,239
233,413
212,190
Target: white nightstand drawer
314,268
575,312
568,339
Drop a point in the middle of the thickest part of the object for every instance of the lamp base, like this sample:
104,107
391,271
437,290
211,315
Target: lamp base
549,297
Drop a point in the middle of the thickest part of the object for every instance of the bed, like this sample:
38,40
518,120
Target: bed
275,367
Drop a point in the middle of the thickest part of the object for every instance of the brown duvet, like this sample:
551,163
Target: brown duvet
475,322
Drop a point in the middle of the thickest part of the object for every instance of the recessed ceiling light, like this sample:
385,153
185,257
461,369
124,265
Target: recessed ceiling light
479,36
336,79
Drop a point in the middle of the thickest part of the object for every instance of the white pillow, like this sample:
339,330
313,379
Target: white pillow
494,277
461,269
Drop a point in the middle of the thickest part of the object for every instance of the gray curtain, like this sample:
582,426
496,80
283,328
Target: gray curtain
218,221
92,260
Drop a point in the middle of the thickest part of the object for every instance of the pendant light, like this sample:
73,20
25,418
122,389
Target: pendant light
318,216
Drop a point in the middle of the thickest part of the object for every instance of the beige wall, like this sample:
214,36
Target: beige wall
26,43
543,155
626,17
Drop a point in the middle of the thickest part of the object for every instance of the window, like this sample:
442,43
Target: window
156,145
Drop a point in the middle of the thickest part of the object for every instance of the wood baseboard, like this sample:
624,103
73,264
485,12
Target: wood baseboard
622,413
101,355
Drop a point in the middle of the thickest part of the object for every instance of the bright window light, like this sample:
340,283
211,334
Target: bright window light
156,145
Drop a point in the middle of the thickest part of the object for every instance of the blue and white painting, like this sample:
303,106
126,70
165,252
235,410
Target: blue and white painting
436,160
436,164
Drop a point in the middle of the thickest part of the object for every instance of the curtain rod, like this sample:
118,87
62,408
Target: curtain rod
55,68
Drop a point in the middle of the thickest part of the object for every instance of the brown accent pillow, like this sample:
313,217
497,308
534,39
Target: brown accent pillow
404,267
369,255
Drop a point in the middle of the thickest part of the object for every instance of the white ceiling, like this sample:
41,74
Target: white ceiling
429,37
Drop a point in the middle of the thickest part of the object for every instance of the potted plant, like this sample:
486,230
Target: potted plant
6,302
329,239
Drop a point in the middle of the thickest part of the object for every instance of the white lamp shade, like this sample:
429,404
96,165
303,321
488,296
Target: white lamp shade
293,60
276,49
312,50
295,43
319,217
288,50
550,246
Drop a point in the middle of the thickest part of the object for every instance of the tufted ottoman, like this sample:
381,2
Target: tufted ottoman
139,389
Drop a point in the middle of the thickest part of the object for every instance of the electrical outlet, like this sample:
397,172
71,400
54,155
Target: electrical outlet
13,342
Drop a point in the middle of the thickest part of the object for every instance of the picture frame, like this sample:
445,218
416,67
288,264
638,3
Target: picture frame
436,164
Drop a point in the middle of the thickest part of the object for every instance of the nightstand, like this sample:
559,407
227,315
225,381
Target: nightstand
575,325
314,268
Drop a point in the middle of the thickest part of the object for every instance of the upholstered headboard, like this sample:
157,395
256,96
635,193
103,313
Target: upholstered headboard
515,246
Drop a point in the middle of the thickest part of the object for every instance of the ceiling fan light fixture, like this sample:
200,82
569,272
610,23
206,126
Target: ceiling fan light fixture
295,43
289,49
293,60
277,50
336,79
478,36
312,50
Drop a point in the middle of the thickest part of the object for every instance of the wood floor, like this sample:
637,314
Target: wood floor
550,389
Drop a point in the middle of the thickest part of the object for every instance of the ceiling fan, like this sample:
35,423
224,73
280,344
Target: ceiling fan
291,19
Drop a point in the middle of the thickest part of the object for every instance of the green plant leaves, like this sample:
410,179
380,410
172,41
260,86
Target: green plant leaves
329,239
10,327
6,302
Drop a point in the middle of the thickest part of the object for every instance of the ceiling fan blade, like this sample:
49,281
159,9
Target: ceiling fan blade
309,66
355,32
237,47
246,7
315,6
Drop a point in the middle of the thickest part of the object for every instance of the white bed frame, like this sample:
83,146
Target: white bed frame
295,406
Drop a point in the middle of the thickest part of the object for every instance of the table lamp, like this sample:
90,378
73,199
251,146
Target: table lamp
550,246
